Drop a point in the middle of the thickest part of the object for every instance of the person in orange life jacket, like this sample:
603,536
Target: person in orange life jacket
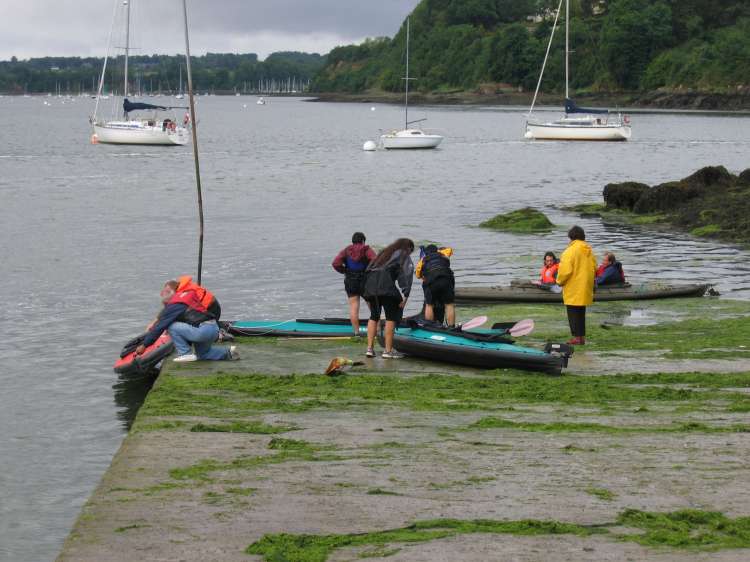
189,323
438,282
352,262
609,271
548,274
391,266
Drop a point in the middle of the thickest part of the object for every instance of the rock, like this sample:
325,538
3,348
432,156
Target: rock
668,196
623,195
523,220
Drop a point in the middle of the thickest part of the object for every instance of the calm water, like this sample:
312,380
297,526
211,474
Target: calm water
91,232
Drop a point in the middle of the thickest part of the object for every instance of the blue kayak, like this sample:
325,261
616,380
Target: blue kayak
486,348
300,328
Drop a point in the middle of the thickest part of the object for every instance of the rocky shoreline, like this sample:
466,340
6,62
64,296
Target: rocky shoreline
659,100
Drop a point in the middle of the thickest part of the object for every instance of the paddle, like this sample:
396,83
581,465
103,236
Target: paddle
473,323
520,328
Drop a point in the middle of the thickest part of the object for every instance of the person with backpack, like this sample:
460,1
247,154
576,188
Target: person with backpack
190,316
391,267
352,261
438,282
610,271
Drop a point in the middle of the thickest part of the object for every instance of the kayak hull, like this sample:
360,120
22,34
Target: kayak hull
454,348
529,292
148,361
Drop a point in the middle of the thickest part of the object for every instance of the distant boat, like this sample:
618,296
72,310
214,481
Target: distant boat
409,137
154,129
579,123
261,101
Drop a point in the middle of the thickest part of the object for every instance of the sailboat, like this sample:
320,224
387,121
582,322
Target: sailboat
579,123
409,137
153,129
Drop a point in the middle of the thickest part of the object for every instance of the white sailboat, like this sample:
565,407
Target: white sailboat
153,129
579,123
409,137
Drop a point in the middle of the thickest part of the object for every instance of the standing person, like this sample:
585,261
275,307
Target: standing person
438,282
189,323
576,277
392,266
548,274
352,261
609,271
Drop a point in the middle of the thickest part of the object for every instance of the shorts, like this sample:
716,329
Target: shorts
391,305
354,283
439,291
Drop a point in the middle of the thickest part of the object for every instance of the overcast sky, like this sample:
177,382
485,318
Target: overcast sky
35,28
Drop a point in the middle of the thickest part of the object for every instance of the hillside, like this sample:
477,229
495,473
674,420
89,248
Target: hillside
498,45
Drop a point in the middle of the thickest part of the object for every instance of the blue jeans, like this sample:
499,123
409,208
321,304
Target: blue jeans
184,335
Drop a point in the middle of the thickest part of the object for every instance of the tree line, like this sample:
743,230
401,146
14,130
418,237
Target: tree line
157,73
617,45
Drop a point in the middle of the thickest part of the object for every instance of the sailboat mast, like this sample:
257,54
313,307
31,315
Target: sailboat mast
194,129
567,47
127,46
406,96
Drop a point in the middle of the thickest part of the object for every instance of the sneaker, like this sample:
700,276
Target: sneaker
234,355
392,355
187,358
370,352
576,341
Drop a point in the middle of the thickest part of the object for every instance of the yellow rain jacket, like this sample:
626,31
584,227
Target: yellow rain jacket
576,274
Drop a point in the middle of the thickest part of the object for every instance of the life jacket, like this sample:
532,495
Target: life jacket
549,274
204,296
436,266
355,266
196,312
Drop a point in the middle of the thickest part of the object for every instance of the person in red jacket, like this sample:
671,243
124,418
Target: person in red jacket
352,262
190,325
548,274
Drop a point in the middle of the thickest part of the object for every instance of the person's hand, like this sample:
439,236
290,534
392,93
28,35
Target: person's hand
140,349
151,325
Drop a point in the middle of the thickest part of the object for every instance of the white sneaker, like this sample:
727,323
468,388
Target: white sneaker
393,354
187,358
234,355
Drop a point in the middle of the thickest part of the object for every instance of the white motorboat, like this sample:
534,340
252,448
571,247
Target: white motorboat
154,129
409,137
261,101
579,123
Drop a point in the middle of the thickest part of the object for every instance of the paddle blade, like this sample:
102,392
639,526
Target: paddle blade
474,323
339,364
522,328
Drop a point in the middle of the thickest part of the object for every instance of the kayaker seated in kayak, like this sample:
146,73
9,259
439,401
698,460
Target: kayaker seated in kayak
548,273
609,271
438,282
352,262
189,323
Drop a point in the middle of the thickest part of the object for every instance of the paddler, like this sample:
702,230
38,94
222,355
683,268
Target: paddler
609,271
352,262
438,282
548,273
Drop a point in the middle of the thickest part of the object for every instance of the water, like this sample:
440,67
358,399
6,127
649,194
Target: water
91,233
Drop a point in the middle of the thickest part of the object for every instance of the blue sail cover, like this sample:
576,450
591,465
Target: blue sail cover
129,106
571,107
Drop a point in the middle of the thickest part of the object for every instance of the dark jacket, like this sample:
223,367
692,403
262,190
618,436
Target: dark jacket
381,281
171,313
611,274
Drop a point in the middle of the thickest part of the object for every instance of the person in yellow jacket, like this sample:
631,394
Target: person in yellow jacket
576,277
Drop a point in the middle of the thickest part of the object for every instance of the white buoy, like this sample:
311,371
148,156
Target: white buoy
372,108
370,146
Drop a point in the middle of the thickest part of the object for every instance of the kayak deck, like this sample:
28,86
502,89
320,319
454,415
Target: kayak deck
299,328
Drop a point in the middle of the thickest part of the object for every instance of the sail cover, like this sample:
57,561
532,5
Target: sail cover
571,107
129,106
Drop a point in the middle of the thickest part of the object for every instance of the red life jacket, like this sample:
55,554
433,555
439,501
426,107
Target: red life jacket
547,274
186,284
189,298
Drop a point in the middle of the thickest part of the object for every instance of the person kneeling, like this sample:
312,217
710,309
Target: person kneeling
189,323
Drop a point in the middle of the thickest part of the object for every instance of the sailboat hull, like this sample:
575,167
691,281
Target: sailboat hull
400,140
134,132
556,131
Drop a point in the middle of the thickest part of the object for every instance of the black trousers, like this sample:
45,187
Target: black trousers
577,320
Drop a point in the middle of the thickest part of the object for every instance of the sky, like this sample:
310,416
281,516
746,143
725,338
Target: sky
37,28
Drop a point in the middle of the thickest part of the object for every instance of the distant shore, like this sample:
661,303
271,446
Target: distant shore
698,101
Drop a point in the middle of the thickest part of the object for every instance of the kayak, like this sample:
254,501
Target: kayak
526,291
490,349
131,364
300,328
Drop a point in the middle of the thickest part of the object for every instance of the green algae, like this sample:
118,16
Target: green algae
685,529
526,220
317,548
568,427
689,528
289,450
242,427
601,493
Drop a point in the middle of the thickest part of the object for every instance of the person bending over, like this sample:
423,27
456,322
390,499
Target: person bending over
438,282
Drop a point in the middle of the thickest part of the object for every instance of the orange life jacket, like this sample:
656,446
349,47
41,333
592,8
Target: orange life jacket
205,297
190,298
548,274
